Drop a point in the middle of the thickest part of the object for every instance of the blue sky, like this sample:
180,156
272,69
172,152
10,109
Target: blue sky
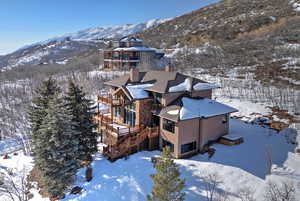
23,22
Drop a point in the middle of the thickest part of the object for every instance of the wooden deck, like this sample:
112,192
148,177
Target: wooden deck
105,121
133,143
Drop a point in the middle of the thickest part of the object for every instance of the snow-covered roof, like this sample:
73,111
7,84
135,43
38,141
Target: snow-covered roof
137,91
184,86
126,39
232,137
173,112
187,86
203,86
194,108
142,48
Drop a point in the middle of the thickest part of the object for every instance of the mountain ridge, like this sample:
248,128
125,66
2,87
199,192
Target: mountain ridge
100,32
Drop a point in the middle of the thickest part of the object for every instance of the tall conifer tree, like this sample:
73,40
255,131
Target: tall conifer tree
52,139
167,183
37,110
57,157
81,112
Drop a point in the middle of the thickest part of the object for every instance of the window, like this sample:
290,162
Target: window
130,107
188,147
117,112
130,115
169,144
116,55
117,97
169,125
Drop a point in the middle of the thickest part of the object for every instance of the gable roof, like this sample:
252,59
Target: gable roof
162,81
123,80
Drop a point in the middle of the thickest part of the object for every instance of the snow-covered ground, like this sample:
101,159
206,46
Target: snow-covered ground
239,167
9,145
19,164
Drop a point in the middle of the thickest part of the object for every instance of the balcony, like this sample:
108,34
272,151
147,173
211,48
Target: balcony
108,123
129,143
124,57
109,100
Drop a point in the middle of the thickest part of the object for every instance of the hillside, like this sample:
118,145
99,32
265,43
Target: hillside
218,23
256,37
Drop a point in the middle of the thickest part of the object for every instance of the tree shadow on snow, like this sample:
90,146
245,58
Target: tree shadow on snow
196,187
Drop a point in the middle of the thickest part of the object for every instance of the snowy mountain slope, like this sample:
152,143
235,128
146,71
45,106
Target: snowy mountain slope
107,32
73,44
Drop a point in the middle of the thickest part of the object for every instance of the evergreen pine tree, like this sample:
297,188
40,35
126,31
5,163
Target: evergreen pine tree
167,183
37,111
52,139
56,157
81,112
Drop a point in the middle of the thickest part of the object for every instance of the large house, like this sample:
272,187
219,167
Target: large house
129,52
160,108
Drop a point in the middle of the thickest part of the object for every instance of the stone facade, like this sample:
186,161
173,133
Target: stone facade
143,112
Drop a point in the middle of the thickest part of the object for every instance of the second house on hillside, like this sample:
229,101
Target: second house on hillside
129,52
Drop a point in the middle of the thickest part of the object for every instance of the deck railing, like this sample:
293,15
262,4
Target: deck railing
106,122
109,100
124,145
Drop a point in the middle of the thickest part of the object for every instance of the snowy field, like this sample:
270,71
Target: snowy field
239,167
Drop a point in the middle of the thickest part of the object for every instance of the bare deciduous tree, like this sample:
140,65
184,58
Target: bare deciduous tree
211,184
14,186
269,158
285,191
246,194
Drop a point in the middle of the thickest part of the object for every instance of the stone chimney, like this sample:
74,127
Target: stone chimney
189,83
134,74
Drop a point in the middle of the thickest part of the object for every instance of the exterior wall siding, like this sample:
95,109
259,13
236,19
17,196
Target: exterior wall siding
143,112
170,137
212,128
196,130
146,58
202,94
188,132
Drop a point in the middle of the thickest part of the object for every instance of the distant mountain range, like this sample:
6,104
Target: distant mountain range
61,48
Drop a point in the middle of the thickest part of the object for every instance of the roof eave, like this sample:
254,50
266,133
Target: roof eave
207,117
